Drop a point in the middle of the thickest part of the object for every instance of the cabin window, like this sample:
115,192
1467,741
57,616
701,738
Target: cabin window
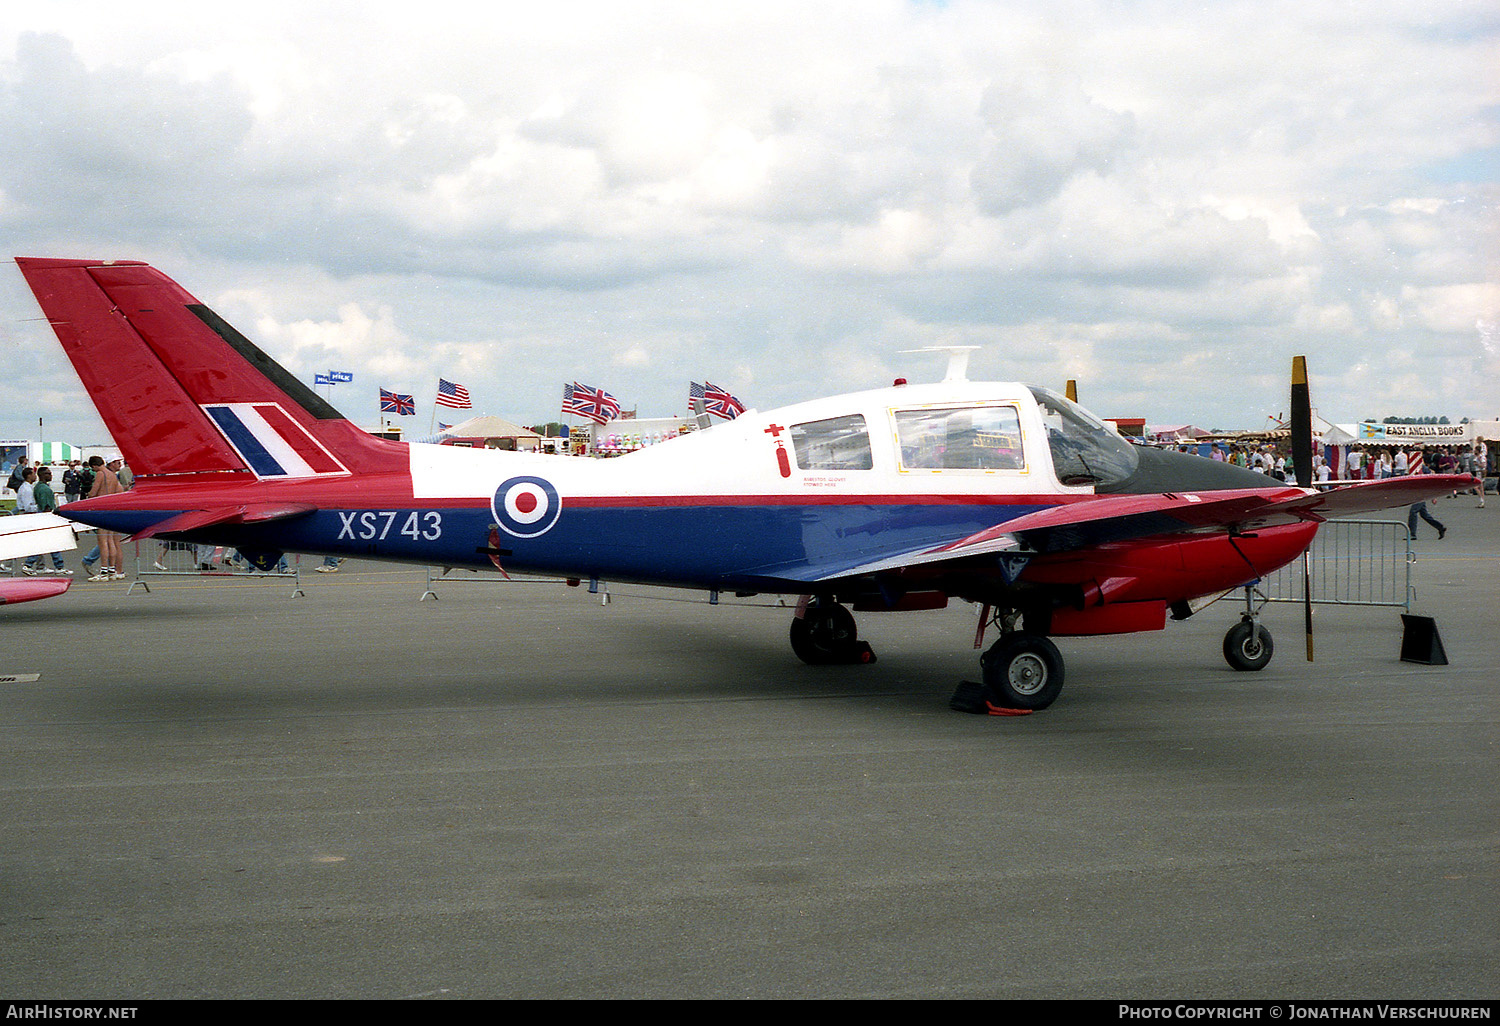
840,443
960,438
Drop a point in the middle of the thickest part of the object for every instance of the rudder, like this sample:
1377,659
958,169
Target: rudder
181,391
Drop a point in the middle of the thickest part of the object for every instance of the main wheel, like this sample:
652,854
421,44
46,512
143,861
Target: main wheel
1248,646
1025,671
825,635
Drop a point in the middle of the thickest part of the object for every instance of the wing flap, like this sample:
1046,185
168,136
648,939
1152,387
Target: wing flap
916,557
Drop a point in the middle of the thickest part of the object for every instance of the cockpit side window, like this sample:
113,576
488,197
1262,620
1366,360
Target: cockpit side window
960,438
1085,450
839,443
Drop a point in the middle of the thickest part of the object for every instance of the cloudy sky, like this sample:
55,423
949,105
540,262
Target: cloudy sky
1163,199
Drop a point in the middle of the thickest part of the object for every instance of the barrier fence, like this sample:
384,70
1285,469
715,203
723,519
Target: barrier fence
1353,563
182,559
455,575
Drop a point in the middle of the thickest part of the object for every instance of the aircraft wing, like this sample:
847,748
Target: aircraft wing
29,589
1370,496
1099,520
30,534
1120,518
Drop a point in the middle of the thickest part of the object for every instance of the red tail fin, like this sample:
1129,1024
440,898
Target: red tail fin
180,390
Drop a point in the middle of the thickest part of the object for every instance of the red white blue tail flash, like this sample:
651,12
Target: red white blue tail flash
270,442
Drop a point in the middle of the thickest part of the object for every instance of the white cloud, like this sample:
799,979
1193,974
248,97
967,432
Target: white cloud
791,193
1454,309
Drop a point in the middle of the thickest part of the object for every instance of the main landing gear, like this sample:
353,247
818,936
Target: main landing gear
1024,670
823,634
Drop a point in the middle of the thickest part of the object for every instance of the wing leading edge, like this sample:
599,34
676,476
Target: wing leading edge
1105,519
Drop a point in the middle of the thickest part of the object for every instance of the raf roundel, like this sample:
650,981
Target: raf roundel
526,507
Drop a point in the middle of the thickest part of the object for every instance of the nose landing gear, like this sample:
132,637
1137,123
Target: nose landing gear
1247,645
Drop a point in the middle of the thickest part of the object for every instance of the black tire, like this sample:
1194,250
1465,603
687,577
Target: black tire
826,635
1025,671
1248,647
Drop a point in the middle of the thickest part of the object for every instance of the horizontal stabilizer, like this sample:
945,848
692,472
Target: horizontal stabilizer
246,513
31,534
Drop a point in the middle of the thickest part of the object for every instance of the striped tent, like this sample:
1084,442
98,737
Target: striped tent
54,452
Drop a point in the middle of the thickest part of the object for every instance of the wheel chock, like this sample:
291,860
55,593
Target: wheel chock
971,698
1420,641
980,700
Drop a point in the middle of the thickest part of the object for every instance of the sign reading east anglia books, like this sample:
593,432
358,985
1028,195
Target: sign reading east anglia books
1417,434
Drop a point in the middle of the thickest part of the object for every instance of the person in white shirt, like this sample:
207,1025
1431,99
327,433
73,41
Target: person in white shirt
26,494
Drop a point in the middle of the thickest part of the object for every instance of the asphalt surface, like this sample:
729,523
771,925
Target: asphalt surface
217,789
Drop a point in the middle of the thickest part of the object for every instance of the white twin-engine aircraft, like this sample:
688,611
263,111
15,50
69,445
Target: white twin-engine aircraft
1005,495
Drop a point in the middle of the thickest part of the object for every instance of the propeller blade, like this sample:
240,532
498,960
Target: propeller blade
1307,600
1301,416
1302,445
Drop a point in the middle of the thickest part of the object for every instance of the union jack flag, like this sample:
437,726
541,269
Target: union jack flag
716,400
593,403
401,405
450,394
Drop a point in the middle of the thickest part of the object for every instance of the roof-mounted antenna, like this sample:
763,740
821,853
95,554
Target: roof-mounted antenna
958,360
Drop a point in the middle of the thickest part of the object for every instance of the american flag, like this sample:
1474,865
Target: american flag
453,395
401,405
716,401
586,401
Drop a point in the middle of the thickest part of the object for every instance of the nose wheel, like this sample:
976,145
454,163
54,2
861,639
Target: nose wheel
1248,646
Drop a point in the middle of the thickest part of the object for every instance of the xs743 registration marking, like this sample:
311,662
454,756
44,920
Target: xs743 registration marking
376,525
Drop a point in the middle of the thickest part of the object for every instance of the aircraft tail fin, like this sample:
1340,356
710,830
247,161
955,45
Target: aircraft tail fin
181,391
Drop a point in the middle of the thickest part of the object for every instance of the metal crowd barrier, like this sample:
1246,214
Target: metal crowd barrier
1353,563
465,575
155,558
595,586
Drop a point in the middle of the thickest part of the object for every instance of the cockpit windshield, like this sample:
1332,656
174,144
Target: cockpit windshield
1085,450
